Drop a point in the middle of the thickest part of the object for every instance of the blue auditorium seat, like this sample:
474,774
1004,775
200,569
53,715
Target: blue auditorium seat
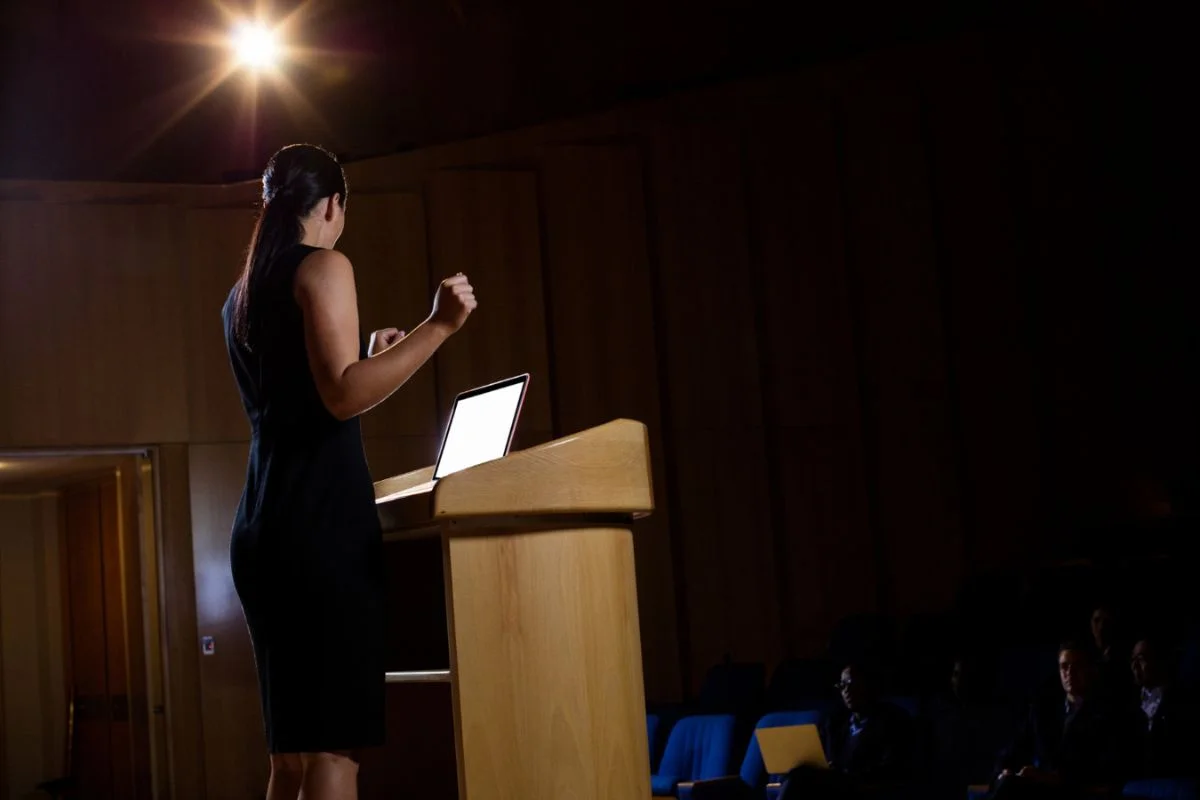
1189,663
1161,789
698,747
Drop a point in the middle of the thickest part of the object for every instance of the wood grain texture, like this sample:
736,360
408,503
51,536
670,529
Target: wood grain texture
810,386
903,346
385,241
545,653
148,534
988,312
547,666
830,280
133,616
116,653
235,747
402,482
95,751
91,314
711,379
602,470
601,313
485,225
419,758
33,700
181,652
215,240
394,455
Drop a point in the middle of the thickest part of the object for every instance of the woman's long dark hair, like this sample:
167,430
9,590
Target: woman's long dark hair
295,180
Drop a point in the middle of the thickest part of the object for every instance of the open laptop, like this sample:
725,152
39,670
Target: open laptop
786,747
480,429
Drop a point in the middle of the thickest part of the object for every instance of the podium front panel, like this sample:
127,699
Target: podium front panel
547,661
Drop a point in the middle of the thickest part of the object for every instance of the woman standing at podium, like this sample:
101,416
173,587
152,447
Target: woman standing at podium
305,546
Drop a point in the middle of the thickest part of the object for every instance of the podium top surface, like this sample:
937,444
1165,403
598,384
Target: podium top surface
600,471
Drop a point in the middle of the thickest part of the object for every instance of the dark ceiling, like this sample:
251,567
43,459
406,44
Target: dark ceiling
92,90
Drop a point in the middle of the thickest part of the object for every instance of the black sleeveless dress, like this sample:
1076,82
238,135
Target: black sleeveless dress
305,548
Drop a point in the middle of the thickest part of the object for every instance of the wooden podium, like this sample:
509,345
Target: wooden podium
541,604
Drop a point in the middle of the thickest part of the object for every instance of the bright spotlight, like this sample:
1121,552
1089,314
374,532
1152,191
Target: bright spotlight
256,45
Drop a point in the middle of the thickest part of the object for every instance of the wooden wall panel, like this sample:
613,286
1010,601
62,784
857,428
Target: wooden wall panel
185,743
385,240
991,333
90,325
810,384
216,240
26,340
710,377
33,702
1071,291
235,747
116,648
149,542
865,339
419,760
99,752
601,308
485,224
893,259
395,455
133,609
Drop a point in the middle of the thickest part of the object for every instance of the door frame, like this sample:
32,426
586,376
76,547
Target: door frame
147,517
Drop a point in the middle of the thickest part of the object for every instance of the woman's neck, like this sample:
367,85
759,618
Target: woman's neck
317,236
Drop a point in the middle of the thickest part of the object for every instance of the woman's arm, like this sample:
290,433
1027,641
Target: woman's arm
324,290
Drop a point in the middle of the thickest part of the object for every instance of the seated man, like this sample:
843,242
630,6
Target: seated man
1110,651
968,728
868,744
1166,718
1071,744
869,739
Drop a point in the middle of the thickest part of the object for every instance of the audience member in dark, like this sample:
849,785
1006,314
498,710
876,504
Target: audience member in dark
965,725
1104,627
1166,718
868,744
1111,653
868,738
1073,744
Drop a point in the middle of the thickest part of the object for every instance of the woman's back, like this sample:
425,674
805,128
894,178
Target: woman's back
306,544
272,371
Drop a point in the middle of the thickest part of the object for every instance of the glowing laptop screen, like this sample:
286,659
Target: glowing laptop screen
481,426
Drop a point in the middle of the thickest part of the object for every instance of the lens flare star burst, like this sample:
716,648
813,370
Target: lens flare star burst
255,45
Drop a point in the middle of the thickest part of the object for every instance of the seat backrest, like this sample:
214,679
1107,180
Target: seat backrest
910,705
1162,789
754,772
699,747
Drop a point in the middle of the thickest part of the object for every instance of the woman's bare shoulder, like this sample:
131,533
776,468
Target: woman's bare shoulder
321,268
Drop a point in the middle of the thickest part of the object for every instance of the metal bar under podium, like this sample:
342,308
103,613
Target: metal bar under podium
419,676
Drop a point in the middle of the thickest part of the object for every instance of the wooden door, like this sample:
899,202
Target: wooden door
103,753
